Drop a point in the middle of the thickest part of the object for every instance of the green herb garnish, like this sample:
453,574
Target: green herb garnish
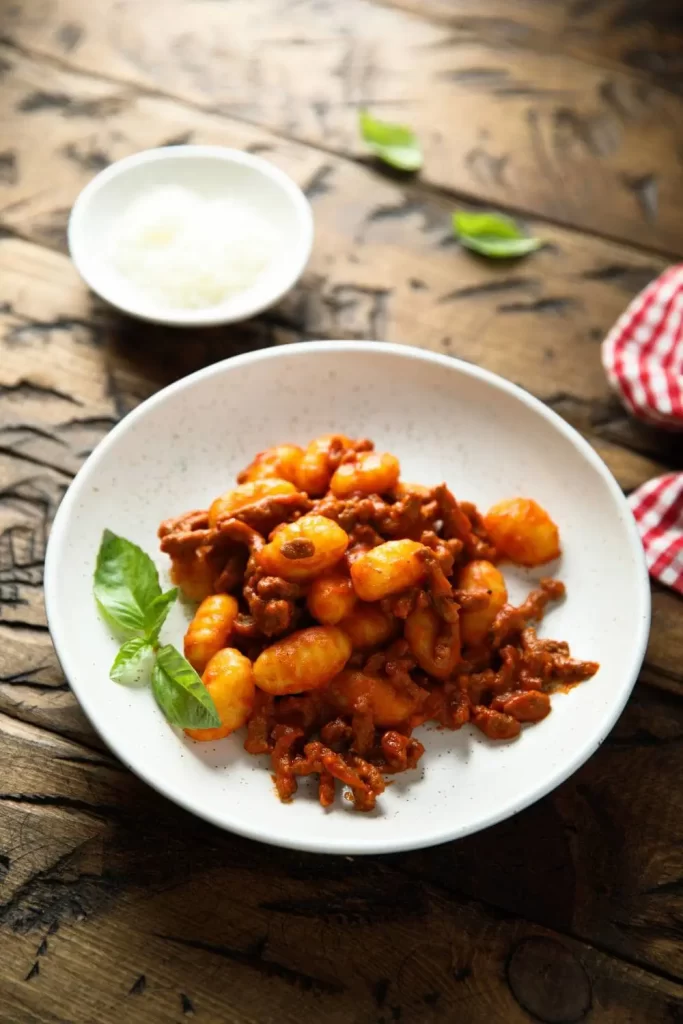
128,594
180,693
395,144
133,664
493,235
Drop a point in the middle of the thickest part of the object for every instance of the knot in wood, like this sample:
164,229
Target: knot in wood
548,981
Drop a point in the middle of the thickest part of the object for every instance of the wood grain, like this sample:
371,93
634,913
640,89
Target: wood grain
644,37
114,904
101,872
386,264
534,129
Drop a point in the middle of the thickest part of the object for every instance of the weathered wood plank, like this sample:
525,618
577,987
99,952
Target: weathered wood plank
601,857
385,264
104,873
533,129
646,38
342,956
664,661
341,299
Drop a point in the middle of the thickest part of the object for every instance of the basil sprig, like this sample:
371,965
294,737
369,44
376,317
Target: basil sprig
493,235
133,664
129,596
395,144
180,693
489,234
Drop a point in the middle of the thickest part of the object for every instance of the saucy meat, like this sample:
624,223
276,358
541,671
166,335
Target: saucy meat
341,608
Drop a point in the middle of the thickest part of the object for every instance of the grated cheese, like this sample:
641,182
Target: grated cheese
187,252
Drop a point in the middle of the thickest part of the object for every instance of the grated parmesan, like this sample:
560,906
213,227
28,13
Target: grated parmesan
187,252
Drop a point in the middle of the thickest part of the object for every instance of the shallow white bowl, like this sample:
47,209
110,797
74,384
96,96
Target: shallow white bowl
215,172
446,420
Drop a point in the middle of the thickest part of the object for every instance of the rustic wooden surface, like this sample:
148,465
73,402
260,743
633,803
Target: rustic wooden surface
117,906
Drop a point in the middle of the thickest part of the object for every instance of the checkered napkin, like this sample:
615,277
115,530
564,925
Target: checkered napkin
643,359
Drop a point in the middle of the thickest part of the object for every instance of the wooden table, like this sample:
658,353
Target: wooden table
116,906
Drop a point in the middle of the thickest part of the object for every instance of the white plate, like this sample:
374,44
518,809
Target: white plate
446,420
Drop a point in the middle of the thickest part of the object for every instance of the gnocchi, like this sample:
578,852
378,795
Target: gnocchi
368,626
304,548
390,705
331,597
230,680
281,462
388,569
344,607
305,660
481,577
523,532
435,643
195,573
246,494
368,473
210,629
315,468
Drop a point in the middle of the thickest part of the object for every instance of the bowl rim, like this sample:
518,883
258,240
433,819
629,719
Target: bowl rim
374,845
211,316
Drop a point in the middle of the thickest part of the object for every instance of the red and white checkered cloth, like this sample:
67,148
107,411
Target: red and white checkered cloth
658,508
643,359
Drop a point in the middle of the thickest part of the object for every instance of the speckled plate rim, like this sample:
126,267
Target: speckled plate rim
374,846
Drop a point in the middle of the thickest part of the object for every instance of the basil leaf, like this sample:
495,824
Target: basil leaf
157,612
493,235
396,144
181,694
126,584
133,664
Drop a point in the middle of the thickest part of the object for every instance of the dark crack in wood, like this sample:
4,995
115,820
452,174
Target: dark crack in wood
35,461
138,986
629,279
84,331
88,158
41,100
65,803
8,167
645,188
494,287
267,968
57,895
182,139
69,35
551,304
320,182
486,167
29,389
359,908
186,1004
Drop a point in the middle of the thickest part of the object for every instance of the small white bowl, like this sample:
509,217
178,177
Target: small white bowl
445,420
214,172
